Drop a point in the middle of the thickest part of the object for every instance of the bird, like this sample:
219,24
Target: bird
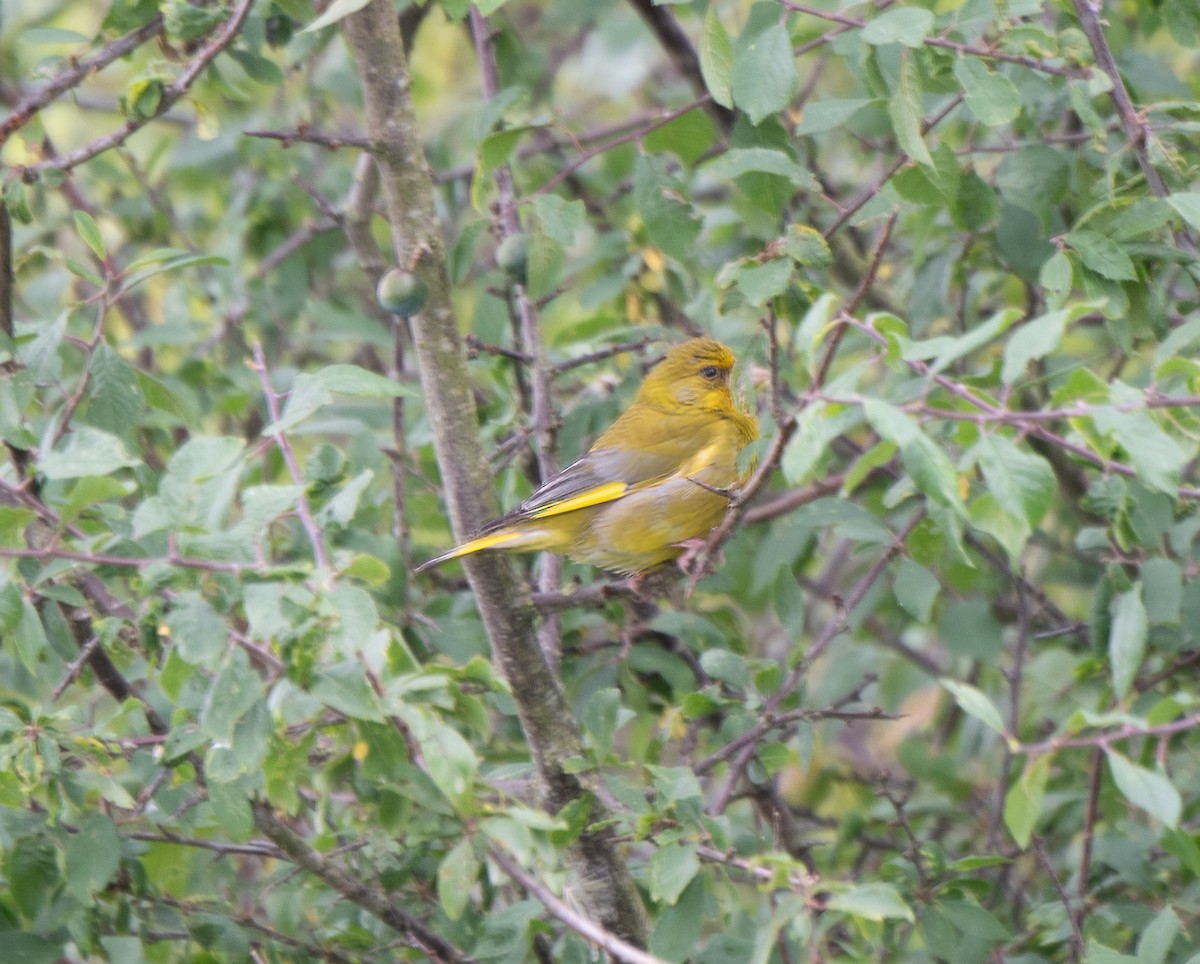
652,486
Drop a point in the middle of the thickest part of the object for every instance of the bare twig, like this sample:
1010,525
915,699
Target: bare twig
986,53
79,68
170,95
352,889
585,927
1077,942
303,134
303,509
1136,128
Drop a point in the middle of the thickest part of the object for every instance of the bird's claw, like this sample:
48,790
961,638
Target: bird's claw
696,562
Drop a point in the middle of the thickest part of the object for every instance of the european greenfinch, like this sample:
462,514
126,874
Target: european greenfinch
657,481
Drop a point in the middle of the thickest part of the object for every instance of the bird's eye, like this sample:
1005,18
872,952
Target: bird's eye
710,371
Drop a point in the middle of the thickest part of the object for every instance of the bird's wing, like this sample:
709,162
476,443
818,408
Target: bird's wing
602,475
640,449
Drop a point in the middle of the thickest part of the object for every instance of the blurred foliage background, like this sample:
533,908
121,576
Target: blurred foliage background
935,699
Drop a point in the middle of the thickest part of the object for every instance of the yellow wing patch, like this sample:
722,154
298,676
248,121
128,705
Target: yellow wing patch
597,495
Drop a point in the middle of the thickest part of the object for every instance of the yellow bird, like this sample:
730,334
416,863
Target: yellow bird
654,483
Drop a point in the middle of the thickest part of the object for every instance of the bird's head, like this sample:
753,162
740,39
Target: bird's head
694,375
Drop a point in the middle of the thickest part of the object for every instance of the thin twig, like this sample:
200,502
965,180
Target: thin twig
303,509
169,96
1077,942
303,134
544,423
985,53
585,927
79,68
831,631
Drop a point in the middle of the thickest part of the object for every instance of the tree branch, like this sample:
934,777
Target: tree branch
374,38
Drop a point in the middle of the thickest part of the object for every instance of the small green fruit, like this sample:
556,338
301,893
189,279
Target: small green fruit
401,292
512,256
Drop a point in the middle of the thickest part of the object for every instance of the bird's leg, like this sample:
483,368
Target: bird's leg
694,563
640,611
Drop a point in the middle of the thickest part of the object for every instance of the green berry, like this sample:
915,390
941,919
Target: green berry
401,292
512,256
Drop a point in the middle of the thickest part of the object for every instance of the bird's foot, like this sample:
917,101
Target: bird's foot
696,562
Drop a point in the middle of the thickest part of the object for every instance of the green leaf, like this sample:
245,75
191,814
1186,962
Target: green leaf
904,108
235,689
716,58
670,870
29,637
600,715
973,701
558,218
85,451
974,921
232,810
89,232
93,855
1187,203
765,160
344,688
759,283
335,12
32,872
991,97
1057,277
764,78
159,397
1162,588
1032,340
1102,255
807,247
725,665
1156,940
196,630
927,463
916,589
873,901
907,25
456,876
689,136
449,759
1146,789
115,400
1127,639
1157,456
1022,483
788,600
308,394
827,115
976,338
354,380
1023,802
660,200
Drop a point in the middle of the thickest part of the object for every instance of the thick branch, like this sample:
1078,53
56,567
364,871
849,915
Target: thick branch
374,38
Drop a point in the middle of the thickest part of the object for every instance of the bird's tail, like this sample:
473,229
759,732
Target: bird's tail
501,539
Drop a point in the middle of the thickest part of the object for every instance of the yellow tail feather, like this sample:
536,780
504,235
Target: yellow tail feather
491,541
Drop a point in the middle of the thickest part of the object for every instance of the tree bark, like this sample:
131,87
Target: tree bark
373,34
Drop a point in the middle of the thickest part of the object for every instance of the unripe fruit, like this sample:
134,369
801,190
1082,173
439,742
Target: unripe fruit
401,292
512,256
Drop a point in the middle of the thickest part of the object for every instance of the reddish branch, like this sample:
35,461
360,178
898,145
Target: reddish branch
986,53
80,68
170,95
